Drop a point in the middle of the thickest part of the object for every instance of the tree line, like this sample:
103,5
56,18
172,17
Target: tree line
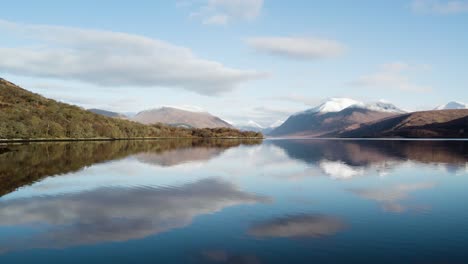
25,115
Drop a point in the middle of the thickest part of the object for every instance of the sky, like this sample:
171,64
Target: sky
241,60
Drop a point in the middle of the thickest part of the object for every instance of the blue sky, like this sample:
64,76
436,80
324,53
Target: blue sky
238,59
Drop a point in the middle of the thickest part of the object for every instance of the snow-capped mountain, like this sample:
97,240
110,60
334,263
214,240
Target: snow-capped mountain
254,126
334,105
334,115
452,105
380,106
252,123
250,126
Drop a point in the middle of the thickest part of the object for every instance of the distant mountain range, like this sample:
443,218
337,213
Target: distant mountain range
33,116
174,117
107,113
184,118
335,117
254,126
344,117
179,117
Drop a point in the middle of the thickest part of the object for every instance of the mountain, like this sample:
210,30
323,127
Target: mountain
332,105
452,105
107,113
25,115
251,126
380,106
276,124
179,117
272,127
254,126
333,116
425,124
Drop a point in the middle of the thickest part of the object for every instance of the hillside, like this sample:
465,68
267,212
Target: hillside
326,124
179,117
25,115
425,124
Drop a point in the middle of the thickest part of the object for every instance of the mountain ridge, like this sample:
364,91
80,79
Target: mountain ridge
171,116
422,124
336,116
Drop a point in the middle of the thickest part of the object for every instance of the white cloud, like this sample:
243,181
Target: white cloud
393,76
216,20
439,7
221,12
298,48
114,59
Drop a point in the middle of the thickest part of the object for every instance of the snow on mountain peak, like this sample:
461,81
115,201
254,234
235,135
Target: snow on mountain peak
339,104
381,106
333,105
336,105
252,123
452,105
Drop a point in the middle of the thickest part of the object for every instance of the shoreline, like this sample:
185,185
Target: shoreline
32,140
368,138
22,140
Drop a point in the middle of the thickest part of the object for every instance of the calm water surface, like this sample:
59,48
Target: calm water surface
226,201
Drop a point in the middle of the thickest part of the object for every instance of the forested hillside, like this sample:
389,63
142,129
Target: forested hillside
25,115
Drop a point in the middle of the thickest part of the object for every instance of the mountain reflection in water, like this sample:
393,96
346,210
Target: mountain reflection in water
234,201
342,159
26,163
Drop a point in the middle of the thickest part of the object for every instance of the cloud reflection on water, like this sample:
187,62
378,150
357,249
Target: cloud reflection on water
298,226
390,198
116,214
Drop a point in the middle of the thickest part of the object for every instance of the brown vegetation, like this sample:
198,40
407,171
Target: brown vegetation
25,115
425,124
